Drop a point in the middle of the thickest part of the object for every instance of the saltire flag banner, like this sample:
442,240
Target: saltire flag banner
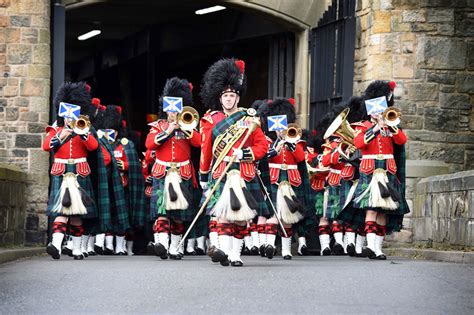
277,123
110,135
172,104
376,105
70,111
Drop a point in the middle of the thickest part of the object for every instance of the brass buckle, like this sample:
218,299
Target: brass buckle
379,157
173,164
284,167
70,161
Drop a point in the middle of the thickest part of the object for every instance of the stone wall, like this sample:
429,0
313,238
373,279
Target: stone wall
427,47
444,209
24,99
12,205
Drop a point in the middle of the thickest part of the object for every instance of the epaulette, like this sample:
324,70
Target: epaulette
157,124
326,145
54,127
208,116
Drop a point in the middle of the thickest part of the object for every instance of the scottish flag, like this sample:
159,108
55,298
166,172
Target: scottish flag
376,105
110,135
70,111
172,104
277,123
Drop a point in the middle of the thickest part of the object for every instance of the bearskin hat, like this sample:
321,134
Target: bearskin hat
73,93
227,74
380,88
176,87
283,106
357,111
113,118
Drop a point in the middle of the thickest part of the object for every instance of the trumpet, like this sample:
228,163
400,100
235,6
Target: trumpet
188,119
391,115
292,134
81,125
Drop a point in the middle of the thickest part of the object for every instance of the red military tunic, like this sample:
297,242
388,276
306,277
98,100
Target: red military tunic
254,149
331,158
318,178
74,151
376,146
287,160
176,151
147,161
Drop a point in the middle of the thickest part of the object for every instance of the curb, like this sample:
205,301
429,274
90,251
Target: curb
7,255
431,254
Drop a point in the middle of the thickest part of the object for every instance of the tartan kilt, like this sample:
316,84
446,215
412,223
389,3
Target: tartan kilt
55,187
284,177
303,227
395,217
334,202
318,197
201,228
253,187
157,205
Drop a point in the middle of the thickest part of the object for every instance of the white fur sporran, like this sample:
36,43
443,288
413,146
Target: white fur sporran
223,208
375,197
174,178
285,189
77,207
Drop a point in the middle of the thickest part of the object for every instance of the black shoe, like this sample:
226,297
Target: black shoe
66,251
150,248
361,255
199,251
78,257
326,252
108,252
210,250
367,252
381,257
337,249
176,257
254,251
160,251
237,263
246,251
99,250
219,256
303,251
262,251
351,250
269,251
53,251
287,257
91,253
85,254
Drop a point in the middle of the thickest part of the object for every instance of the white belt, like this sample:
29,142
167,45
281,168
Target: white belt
172,164
283,166
377,156
335,171
227,159
70,161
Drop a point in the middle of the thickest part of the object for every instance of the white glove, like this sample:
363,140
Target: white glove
206,193
204,185
238,153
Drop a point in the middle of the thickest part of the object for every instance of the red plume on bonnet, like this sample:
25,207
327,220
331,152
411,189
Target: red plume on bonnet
191,86
119,109
241,65
314,132
88,88
292,101
95,102
124,124
392,85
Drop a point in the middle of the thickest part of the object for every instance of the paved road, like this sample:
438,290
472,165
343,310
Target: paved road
145,284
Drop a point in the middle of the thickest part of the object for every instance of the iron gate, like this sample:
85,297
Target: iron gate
332,45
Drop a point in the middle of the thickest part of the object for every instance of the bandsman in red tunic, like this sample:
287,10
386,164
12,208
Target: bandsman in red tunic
172,202
71,195
238,197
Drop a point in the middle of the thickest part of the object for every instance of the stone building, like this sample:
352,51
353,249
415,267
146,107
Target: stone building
425,46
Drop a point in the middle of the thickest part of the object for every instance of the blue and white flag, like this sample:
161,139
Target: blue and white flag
376,105
172,104
110,135
70,111
277,123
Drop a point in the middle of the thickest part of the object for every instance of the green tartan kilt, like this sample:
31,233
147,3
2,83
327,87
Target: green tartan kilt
55,187
253,187
334,203
318,197
395,217
157,205
201,228
282,177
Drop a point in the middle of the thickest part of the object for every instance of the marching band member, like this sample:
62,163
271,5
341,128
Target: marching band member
232,143
70,140
174,180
